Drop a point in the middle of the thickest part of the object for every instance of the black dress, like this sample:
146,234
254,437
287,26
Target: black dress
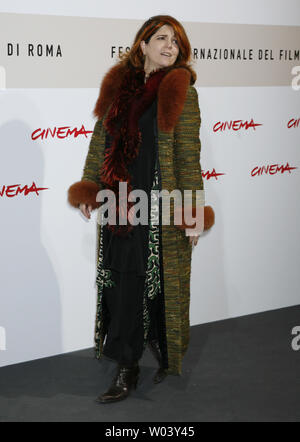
130,267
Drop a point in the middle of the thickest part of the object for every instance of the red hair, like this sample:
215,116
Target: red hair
135,58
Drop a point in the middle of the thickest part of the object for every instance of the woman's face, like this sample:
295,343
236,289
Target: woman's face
162,49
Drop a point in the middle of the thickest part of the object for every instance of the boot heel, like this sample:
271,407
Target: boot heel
125,380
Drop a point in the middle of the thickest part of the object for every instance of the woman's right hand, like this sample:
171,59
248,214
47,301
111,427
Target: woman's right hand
85,210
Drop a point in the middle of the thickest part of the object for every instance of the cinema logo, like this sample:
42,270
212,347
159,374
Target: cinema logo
34,50
293,123
59,132
235,125
16,189
213,174
272,169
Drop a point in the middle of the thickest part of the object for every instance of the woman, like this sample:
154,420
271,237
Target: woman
146,135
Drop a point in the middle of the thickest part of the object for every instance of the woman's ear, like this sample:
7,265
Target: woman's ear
142,46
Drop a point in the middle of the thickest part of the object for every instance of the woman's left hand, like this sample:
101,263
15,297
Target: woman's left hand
194,240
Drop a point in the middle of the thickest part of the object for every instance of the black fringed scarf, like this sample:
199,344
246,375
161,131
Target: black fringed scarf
133,99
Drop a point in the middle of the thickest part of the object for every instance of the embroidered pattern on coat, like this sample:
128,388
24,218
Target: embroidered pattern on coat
152,280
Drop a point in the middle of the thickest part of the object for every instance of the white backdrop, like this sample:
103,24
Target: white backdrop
247,263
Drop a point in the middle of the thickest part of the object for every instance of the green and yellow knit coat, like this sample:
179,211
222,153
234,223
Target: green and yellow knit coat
178,123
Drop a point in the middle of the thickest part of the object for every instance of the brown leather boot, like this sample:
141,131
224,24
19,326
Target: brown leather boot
125,379
161,373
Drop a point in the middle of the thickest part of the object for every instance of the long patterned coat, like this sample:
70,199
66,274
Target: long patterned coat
178,123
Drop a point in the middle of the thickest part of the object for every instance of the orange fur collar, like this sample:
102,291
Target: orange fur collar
170,97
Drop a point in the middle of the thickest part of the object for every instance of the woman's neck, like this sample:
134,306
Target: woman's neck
149,72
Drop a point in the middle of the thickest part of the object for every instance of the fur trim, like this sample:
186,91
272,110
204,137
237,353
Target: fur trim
170,97
108,89
209,219
83,192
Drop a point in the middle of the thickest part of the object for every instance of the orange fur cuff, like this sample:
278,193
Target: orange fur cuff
209,219
83,192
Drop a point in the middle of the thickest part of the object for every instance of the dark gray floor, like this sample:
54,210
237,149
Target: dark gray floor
240,369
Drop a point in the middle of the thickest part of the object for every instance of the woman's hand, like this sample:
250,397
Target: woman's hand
194,239
85,210
193,235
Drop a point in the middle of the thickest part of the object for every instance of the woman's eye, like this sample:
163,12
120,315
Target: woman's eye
159,38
